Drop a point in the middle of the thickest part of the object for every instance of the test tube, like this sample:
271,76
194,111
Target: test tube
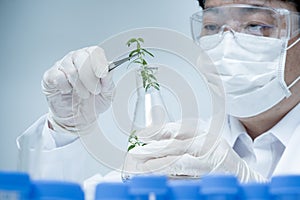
56,190
219,187
14,186
184,189
112,191
285,187
148,187
254,191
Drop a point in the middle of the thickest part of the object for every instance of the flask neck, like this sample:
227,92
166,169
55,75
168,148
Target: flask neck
150,109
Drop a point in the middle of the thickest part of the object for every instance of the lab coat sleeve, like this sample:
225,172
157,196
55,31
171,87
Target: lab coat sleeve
42,158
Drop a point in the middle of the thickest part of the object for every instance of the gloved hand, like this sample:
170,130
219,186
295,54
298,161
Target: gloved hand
187,149
78,87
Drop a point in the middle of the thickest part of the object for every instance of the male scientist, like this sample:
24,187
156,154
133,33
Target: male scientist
255,46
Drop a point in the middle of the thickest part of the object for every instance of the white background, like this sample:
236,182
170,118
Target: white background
36,33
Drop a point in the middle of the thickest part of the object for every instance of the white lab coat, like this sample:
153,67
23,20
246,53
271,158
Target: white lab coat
73,162
290,160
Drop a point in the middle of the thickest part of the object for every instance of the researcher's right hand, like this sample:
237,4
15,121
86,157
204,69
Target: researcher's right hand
187,148
78,88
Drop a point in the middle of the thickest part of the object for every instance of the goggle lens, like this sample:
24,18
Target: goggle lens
252,20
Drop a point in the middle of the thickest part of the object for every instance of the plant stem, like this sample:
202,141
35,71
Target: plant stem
149,80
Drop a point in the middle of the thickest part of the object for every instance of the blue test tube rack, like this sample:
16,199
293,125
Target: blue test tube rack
19,186
15,186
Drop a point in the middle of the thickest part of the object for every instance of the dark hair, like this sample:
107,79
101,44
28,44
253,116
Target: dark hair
295,2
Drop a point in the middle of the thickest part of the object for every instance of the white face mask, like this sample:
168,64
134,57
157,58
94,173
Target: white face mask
252,71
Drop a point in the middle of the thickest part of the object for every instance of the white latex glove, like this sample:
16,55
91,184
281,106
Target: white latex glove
78,88
185,149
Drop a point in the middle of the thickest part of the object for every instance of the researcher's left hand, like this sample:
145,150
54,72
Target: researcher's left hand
187,149
78,88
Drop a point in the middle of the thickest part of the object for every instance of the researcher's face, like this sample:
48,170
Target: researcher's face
292,70
292,66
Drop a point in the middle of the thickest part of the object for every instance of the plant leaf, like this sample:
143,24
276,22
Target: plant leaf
134,52
156,87
147,87
133,132
148,52
130,147
152,77
132,40
141,40
144,62
138,62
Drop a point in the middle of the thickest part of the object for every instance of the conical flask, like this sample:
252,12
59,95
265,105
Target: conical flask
150,108
150,111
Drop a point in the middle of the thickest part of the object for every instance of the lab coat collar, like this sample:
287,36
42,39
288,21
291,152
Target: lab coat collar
235,129
284,129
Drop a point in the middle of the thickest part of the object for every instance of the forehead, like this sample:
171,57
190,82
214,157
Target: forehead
266,3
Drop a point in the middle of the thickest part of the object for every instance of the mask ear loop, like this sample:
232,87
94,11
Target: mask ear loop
293,44
297,79
294,82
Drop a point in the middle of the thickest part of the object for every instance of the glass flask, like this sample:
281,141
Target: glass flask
149,111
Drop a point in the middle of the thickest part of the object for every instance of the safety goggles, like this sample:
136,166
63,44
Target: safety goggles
253,20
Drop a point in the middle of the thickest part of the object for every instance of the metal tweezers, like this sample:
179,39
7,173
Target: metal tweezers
117,63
